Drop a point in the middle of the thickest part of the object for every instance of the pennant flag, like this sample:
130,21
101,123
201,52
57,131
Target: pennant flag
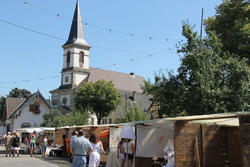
25,3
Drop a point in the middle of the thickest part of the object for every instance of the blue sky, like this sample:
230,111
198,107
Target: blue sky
32,61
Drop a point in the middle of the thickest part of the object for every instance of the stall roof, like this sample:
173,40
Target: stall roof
220,119
38,130
221,122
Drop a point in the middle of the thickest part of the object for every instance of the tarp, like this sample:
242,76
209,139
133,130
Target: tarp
114,137
128,132
103,134
152,139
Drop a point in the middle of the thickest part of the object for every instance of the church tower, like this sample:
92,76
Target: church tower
76,54
75,64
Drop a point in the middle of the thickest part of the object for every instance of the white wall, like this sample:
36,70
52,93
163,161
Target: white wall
30,117
79,77
74,58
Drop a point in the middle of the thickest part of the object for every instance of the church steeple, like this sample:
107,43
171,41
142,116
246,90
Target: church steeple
76,35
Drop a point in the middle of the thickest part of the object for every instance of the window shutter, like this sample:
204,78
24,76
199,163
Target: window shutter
32,108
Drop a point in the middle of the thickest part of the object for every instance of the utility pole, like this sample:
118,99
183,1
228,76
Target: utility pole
201,23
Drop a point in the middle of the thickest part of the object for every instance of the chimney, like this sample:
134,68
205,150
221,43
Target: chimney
132,74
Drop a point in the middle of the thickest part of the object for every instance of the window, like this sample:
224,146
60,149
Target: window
64,101
66,79
81,59
36,109
68,59
110,120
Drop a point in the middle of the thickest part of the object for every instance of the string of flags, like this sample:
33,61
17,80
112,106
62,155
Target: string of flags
86,24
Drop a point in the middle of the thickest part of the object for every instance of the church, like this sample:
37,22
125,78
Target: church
76,71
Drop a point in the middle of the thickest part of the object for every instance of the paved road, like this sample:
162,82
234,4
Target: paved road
36,161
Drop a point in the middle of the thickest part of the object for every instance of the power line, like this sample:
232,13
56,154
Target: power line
62,39
58,15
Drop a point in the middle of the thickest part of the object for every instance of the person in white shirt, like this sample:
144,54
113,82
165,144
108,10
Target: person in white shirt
44,145
95,155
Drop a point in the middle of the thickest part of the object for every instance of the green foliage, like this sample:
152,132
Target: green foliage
99,98
231,24
59,119
134,114
20,93
209,80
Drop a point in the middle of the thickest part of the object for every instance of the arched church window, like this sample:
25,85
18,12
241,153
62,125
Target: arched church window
81,59
64,101
68,59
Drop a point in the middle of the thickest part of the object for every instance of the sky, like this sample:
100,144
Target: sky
137,36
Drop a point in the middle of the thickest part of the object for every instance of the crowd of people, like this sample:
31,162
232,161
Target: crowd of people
12,144
81,147
126,150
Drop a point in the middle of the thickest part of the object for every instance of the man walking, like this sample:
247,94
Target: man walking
72,140
8,144
80,148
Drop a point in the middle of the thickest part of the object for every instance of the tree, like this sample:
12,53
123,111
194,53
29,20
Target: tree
231,24
208,81
99,98
19,93
2,104
59,119
134,114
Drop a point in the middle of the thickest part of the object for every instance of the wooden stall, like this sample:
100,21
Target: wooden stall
245,140
215,141
88,130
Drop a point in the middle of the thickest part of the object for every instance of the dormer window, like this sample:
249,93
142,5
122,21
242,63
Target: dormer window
68,59
81,59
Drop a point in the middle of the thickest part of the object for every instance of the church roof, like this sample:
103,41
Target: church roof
121,81
76,35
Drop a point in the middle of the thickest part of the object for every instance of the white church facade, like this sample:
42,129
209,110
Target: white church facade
76,71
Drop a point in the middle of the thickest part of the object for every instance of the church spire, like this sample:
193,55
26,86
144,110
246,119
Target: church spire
76,35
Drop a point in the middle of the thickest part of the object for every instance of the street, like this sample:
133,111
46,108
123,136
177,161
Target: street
36,161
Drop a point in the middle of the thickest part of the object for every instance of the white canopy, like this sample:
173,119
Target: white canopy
128,132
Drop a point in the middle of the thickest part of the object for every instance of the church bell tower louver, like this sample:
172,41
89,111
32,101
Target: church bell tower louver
76,54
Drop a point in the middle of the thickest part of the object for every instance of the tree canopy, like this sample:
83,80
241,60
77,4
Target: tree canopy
209,80
231,24
20,93
99,98
134,114
58,118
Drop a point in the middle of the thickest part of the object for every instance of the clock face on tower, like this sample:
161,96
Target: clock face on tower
66,79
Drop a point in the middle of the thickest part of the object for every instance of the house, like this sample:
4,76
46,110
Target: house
25,112
76,71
